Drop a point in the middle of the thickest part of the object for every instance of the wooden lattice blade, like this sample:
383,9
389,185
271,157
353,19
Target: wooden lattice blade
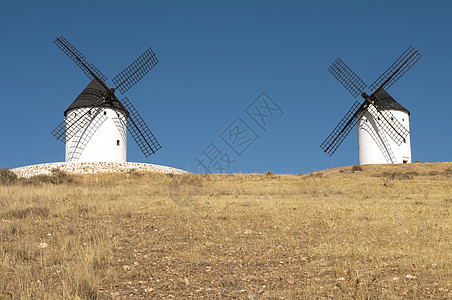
337,136
389,123
396,70
140,131
64,132
60,132
347,77
88,68
135,71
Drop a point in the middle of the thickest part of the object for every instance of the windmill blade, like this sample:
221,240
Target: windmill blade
137,70
389,123
64,133
337,136
88,68
396,70
394,123
140,131
89,95
60,132
347,77
81,122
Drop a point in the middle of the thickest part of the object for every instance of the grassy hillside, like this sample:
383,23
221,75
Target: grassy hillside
379,232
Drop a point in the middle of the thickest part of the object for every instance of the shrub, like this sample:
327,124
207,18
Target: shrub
57,177
7,176
412,173
316,174
356,169
397,175
269,173
37,179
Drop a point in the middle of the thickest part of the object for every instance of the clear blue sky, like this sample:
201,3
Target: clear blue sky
216,57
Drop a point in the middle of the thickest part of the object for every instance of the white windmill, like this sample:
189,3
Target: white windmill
383,124
95,126
374,144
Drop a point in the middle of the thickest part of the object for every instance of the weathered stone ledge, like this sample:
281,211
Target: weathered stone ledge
91,167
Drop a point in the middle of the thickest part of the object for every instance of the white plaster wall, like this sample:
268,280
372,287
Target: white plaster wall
368,150
98,139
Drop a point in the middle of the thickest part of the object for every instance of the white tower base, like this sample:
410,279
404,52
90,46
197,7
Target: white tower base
375,146
96,134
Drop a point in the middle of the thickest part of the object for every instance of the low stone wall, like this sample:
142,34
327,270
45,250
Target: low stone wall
92,167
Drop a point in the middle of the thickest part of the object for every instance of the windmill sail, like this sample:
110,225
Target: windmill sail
71,125
347,77
337,136
137,70
386,124
140,131
396,70
80,60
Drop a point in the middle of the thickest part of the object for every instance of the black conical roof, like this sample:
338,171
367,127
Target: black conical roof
385,101
92,96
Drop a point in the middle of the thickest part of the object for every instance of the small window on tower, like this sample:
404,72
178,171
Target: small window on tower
117,142
105,113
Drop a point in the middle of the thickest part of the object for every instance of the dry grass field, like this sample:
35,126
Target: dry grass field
383,232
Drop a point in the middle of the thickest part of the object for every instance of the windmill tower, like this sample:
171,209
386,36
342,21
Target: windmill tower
374,146
95,128
383,124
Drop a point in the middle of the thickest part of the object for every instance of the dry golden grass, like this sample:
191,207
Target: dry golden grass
383,232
